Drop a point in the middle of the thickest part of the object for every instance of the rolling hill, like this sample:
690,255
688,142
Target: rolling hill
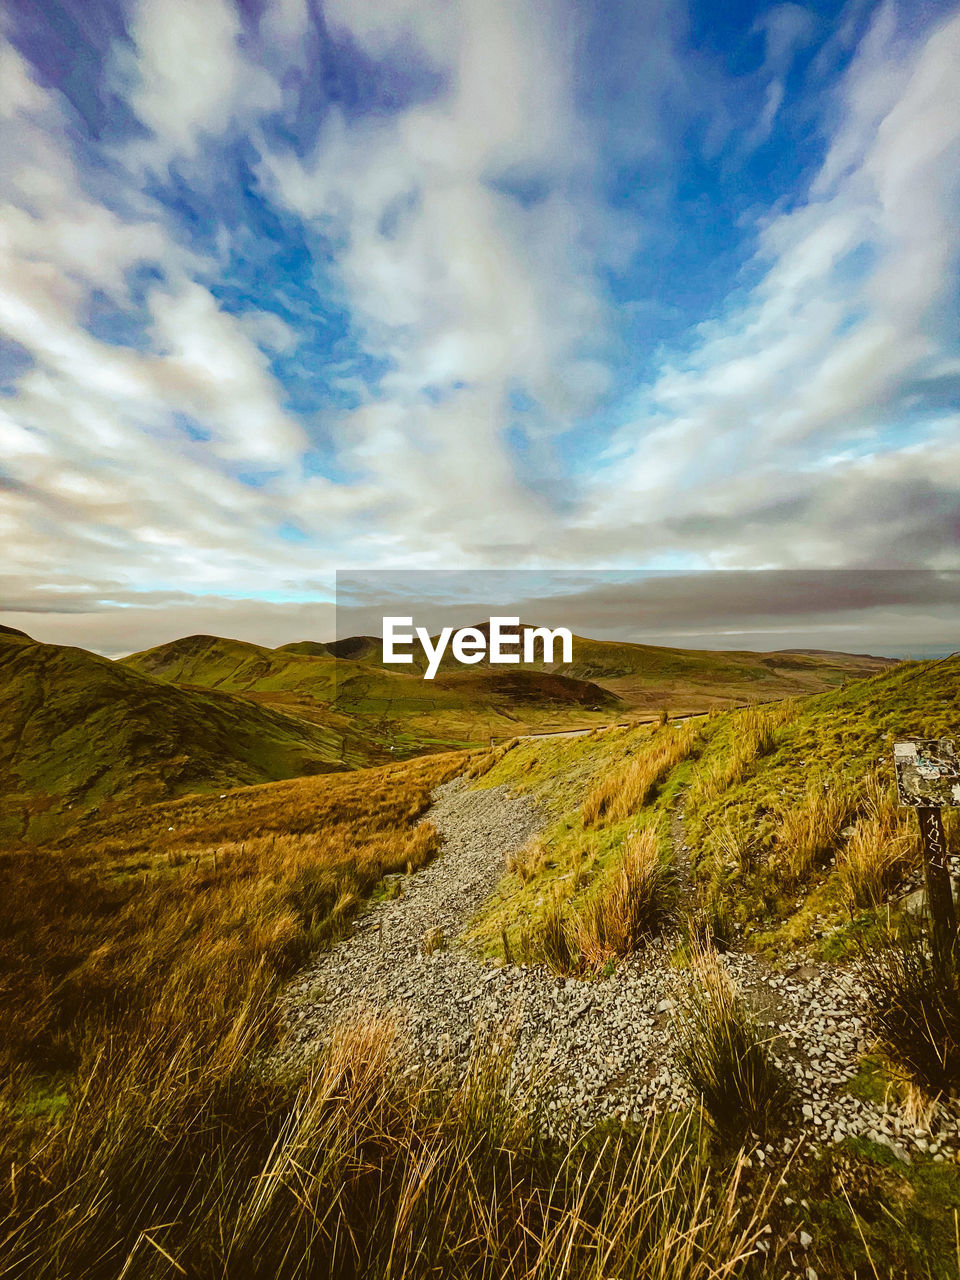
769,799
393,705
79,732
464,705
206,712
645,676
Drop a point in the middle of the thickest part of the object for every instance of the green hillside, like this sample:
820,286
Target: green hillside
646,677
78,732
395,706
466,705
778,805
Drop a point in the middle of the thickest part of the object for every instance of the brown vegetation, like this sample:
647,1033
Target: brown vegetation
180,1162
883,847
631,786
809,831
638,902
727,1057
175,908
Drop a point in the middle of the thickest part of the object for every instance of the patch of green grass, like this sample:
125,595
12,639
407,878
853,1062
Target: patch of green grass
873,1081
813,790
871,1215
78,732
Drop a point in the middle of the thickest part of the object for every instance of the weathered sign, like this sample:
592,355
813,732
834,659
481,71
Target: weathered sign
928,772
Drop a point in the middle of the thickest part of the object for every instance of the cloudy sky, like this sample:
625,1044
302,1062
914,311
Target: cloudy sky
292,286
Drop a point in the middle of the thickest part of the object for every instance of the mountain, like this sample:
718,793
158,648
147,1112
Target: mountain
79,732
311,648
394,706
646,677
391,705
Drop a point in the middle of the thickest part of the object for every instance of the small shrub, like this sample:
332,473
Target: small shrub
529,861
726,1056
551,940
738,845
915,1008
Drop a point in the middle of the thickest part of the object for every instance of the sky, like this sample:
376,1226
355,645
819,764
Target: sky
289,287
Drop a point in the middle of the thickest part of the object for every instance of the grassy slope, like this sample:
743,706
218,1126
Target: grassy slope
78,731
182,921
196,893
467,705
649,677
838,737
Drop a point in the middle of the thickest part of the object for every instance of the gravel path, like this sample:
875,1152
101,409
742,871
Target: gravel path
607,1044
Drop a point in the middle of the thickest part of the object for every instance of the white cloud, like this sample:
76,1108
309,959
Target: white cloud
189,77
211,369
98,475
467,290
468,233
844,320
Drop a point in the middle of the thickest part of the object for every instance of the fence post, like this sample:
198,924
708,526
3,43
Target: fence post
936,871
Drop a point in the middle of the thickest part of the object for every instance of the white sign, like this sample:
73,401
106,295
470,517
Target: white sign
928,772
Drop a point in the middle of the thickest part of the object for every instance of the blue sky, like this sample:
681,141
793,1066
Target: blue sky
296,286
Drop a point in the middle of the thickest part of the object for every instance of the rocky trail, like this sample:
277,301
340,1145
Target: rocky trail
607,1044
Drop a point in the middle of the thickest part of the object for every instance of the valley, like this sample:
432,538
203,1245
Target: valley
511,961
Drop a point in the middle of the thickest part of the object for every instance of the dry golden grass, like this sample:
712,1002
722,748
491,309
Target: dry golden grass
551,940
810,830
752,734
631,786
179,1162
172,907
635,904
884,847
914,997
528,861
738,845
727,1056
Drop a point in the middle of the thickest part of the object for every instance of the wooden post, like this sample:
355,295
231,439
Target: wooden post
928,778
936,870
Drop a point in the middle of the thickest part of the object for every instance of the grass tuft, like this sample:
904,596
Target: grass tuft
181,1161
809,831
726,1056
915,1008
882,849
637,904
628,789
